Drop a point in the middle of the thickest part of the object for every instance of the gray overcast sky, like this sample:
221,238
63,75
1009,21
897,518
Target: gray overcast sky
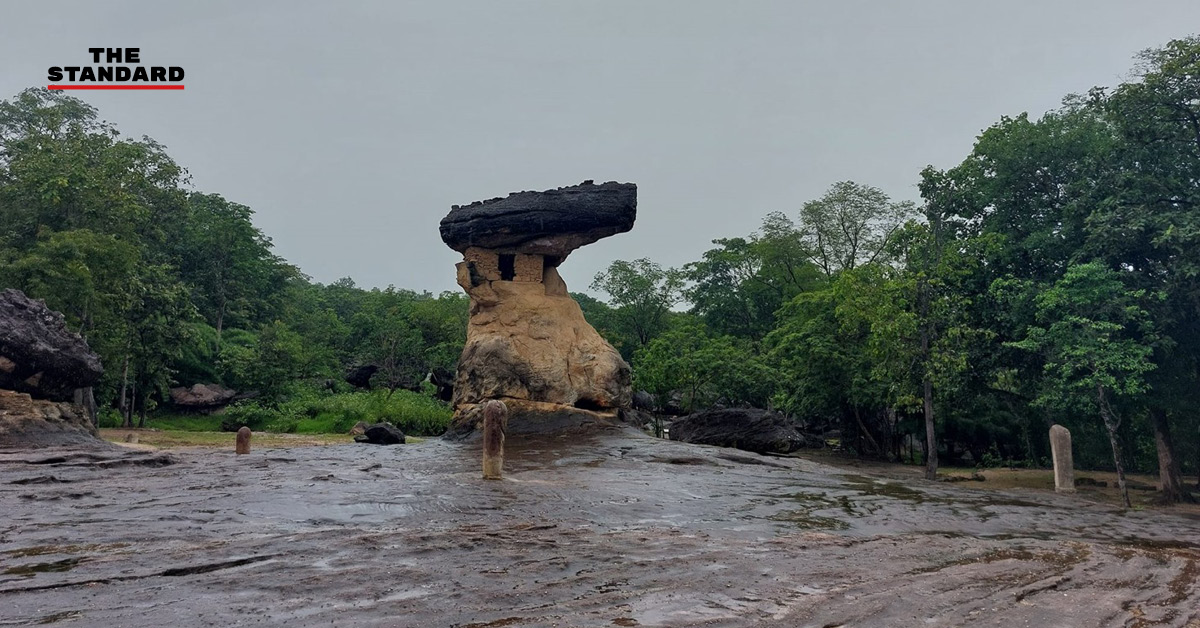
351,127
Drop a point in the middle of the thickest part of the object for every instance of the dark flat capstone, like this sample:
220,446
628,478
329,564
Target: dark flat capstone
586,211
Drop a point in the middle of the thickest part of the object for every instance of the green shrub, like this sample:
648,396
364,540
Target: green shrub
413,413
310,410
249,414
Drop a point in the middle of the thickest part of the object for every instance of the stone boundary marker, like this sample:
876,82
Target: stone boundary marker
243,440
1064,465
495,415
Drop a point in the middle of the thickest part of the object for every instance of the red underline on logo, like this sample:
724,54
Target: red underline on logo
114,87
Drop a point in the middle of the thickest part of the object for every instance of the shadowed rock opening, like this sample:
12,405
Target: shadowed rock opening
508,266
585,403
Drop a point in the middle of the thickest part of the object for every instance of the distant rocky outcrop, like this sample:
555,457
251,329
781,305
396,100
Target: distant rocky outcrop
759,431
527,341
360,377
38,354
202,397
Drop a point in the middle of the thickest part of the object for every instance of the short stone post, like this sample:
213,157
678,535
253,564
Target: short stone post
243,440
495,420
1064,466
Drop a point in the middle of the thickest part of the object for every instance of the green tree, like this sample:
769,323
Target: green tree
701,368
1150,225
641,294
229,263
851,225
1097,342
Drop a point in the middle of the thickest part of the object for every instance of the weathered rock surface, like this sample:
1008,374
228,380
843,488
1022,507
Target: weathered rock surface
202,397
618,530
759,431
28,423
553,222
527,340
38,354
381,434
536,347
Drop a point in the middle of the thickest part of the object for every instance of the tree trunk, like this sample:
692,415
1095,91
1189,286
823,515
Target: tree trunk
127,422
142,411
88,401
220,324
1169,481
931,455
1111,423
865,432
122,402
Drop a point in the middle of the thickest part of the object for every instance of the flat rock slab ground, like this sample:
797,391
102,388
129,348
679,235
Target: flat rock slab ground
618,530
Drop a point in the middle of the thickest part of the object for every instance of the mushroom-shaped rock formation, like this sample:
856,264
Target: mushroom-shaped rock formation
527,341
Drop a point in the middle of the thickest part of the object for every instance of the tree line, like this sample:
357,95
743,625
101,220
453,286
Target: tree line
1051,277
172,286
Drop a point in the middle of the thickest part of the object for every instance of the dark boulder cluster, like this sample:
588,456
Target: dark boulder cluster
44,368
38,354
202,397
760,431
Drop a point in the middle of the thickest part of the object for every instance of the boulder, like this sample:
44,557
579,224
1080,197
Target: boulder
28,423
553,222
759,431
443,379
38,354
361,377
359,428
527,341
381,434
643,400
202,397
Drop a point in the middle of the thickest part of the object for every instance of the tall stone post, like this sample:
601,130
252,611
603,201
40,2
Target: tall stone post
1064,466
243,440
495,416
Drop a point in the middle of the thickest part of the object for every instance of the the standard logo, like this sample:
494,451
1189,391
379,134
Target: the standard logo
116,76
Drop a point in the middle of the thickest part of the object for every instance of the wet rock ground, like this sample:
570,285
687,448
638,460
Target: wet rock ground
612,530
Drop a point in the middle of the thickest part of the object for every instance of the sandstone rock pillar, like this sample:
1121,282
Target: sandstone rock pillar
527,340
1064,466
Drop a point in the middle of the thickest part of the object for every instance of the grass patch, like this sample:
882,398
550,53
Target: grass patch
318,412
220,440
